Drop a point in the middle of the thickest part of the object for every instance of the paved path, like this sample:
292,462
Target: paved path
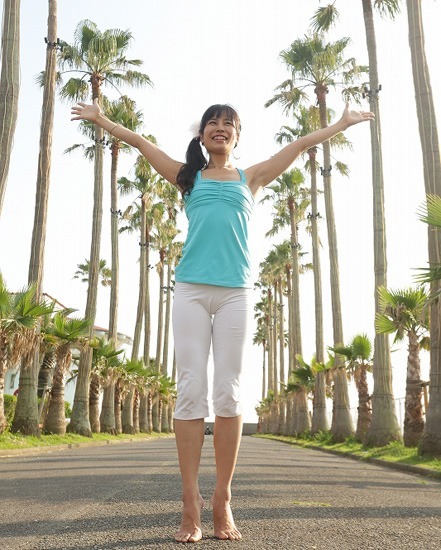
126,496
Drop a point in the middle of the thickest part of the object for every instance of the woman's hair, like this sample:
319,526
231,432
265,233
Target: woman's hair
194,157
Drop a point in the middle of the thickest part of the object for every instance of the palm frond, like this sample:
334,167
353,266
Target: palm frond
75,89
324,18
430,213
390,8
428,274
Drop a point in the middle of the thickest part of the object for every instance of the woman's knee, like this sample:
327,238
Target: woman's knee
192,400
226,401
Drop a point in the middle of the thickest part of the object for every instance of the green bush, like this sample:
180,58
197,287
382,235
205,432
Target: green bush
67,409
10,402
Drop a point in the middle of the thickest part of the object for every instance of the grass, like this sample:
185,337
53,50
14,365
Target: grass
10,441
395,452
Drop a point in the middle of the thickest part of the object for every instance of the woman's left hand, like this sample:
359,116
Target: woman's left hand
354,117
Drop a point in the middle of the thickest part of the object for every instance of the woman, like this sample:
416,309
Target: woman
212,284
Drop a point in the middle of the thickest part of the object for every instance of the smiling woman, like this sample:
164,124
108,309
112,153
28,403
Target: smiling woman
212,294
220,125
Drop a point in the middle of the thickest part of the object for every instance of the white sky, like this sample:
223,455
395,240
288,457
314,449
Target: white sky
202,52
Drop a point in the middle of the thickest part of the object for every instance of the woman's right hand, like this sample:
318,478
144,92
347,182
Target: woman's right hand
83,111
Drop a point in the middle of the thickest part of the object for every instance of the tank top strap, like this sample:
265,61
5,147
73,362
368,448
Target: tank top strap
242,175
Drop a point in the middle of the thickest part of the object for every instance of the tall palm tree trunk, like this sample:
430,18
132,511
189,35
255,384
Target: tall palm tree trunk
150,411
319,414
173,374
3,368
55,421
136,401
281,333
127,412
9,87
168,300
107,415
80,422
413,410
147,315
36,263
341,426
26,421
264,387
142,283
160,331
3,423
431,440
384,425
274,343
270,385
45,373
295,281
291,321
364,404
143,405
118,403
114,239
94,403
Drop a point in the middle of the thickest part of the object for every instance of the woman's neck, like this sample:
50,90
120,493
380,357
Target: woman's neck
219,162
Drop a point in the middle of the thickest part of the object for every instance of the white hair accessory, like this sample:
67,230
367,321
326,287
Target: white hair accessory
194,129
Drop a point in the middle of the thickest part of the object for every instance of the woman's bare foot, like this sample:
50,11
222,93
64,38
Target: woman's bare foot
190,530
224,527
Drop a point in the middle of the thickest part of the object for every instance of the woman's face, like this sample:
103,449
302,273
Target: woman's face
220,135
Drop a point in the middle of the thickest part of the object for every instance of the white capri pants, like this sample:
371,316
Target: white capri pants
205,315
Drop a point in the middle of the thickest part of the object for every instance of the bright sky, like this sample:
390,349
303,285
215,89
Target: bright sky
199,52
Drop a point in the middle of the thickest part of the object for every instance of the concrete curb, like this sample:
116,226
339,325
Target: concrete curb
407,468
45,449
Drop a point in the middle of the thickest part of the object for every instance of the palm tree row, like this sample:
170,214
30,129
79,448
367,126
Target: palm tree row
311,61
28,326
99,58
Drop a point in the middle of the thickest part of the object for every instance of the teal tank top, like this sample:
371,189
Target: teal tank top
216,249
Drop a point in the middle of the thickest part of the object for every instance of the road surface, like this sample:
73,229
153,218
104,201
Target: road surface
126,496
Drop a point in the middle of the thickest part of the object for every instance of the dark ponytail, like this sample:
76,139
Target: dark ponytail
194,161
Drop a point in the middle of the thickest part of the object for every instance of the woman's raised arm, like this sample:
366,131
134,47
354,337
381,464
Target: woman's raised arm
267,171
167,167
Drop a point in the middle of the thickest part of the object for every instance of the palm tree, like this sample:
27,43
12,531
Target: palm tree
165,232
122,111
291,202
134,369
68,333
100,58
105,273
165,396
110,374
169,196
405,312
300,385
260,339
141,220
312,62
104,353
268,279
9,87
430,213
20,337
36,263
431,441
308,120
358,358
384,426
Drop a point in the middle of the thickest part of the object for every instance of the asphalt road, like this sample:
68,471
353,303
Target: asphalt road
126,496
